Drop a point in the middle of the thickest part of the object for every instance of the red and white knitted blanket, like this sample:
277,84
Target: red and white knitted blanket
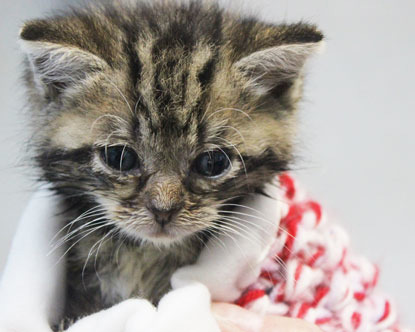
310,273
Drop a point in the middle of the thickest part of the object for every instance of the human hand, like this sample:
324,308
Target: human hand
232,318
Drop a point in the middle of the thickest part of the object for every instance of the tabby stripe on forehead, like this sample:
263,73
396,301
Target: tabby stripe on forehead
205,77
131,31
206,74
216,36
161,95
134,64
185,77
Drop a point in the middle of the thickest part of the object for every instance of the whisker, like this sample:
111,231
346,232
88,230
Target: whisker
238,152
229,109
211,233
245,229
87,214
120,92
237,231
83,237
259,218
227,157
68,236
226,233
112,116
245,207
277,258
233,128
243,222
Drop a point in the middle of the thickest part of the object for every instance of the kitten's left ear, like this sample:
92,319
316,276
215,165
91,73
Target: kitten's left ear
275,69
56,62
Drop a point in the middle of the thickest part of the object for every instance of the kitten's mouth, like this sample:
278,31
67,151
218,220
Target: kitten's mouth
154,231
158,235
163,238
162,234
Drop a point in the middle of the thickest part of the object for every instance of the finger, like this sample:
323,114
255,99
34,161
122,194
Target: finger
286,324
248,321
241,318
226,326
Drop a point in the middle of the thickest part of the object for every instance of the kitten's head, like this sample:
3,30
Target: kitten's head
163,113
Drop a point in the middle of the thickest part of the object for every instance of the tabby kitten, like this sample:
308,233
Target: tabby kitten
151,121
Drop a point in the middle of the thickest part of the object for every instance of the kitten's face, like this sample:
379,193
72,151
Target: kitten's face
163,123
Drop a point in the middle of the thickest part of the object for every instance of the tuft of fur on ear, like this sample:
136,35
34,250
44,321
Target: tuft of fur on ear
56,66
276,68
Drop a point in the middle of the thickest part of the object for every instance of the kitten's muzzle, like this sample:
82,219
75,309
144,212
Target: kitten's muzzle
164,198
164,216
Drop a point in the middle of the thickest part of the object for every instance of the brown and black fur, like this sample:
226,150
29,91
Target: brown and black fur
170,81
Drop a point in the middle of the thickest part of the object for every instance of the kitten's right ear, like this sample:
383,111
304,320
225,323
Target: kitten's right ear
55,66
277,55
276,66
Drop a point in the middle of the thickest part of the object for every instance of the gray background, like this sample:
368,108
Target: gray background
357,140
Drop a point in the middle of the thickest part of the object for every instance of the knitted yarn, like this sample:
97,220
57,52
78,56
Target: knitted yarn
310,273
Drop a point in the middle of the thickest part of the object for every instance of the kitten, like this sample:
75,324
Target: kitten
151,121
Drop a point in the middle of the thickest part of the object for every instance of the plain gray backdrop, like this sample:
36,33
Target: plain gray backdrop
357,137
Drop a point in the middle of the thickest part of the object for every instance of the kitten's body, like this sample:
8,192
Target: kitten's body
172,83
120,271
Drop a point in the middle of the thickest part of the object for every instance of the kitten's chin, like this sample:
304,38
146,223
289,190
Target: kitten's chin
163,238
159,237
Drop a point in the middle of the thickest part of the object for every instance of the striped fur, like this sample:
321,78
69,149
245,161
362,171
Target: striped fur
170,81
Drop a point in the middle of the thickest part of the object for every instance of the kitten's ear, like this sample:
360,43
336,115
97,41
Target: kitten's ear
56,65
274,69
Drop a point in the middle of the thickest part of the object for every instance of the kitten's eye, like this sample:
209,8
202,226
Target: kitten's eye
212,163
120,158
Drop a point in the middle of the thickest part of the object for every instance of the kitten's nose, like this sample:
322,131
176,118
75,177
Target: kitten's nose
164,197
164,216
